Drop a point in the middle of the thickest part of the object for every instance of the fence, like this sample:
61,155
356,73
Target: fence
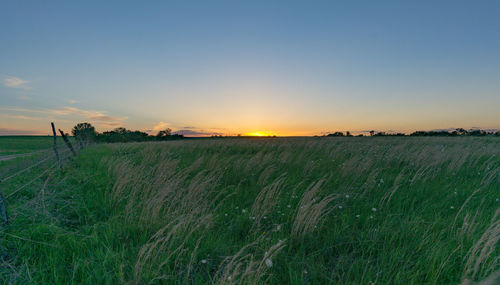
52,157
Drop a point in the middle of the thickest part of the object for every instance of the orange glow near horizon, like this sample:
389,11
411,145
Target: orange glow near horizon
258,134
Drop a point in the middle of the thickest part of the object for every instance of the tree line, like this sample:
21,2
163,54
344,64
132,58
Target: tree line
85,133
443,133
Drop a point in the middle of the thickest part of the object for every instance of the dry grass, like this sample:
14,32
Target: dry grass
277,211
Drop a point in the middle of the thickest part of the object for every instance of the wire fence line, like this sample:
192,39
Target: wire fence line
3,199
31,181
30,167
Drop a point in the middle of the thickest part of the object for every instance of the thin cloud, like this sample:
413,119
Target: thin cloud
15,82
160,126
14,132
97,116
21,117
191,133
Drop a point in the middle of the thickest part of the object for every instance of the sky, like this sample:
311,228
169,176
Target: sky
246,67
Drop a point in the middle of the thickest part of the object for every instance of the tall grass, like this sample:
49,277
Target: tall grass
277,211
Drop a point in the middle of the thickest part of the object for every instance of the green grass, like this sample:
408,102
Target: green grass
395,211
24,144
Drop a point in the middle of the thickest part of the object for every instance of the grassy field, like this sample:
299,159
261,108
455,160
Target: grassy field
365,210
24,144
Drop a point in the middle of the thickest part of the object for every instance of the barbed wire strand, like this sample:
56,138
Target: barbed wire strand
30,167
31,181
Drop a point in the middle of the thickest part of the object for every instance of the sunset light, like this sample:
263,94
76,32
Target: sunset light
307,70
258,134
250,142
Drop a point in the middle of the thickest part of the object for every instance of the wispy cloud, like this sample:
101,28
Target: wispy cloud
160,126
67,112
15,82
191,133
21,117
13,132
92,115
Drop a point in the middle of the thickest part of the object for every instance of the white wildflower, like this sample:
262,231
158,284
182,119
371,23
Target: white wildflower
204,261
371,217
451,207
347,196
269,262
288,206
374,209
244,210
340,206
357,216
278,227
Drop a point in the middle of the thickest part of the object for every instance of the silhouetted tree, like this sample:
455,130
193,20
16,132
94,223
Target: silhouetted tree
164,134
336,134
477,133
84,133
461,132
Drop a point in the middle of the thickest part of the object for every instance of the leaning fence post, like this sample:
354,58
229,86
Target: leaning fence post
66,140
55,145
3,209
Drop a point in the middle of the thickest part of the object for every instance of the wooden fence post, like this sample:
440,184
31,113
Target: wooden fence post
55,144
3,209
66,140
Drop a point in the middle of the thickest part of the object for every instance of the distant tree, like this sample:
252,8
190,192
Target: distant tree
121,130
123,135
372,132
84,133
336,134
477,132
461,132
419,133
348,134
164,134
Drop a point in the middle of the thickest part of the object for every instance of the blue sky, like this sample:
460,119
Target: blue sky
277,67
